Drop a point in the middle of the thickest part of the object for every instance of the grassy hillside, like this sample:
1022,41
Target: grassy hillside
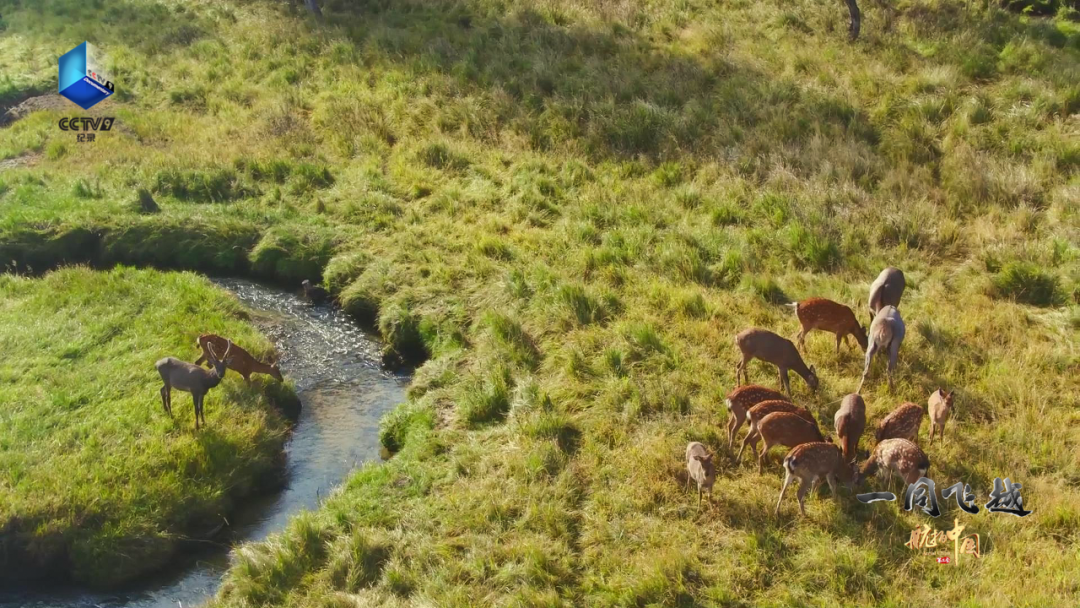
568,211
97,482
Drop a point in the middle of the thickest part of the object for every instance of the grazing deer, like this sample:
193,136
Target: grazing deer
833,317
242,362
901,423
886,290
810,462
886,333
763,409
742,399
896,455
699,464
316,294
755,343
191,378
787,429
849,422
939,406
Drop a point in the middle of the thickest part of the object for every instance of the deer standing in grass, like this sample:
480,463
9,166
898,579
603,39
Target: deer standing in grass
939,406
901,423
896,456
241,362
757,413
886,333
850,422
826,315
191,378
886,290
740,400
786,429
699,465
756,343
810,462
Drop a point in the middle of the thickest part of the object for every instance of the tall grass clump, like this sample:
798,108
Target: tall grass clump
85,437
1027,283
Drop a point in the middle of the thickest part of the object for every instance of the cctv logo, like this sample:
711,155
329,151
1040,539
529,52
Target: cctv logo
81,78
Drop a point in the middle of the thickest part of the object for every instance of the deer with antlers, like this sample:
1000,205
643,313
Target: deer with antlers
191,378
241,361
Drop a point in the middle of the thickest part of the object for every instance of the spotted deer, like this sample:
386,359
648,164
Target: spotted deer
763,409
699,465
886,290
756,343
939,406
886,333
809,463
241,362
850,422
742,399
901,423
898,456
191,378
826,315
786,429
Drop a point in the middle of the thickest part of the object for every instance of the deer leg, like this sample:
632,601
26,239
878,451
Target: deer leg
195,403
932,431
802,339
751,440
200,360
164,401
853,27
803,487
788,478
832,485
894,352
761,458
866,368
785,380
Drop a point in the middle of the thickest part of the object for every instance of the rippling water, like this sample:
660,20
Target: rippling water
334,365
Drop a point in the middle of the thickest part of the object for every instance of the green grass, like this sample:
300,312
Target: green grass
568,211
99,483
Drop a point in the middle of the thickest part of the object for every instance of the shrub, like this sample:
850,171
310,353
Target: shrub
400,330
486,399
1027,283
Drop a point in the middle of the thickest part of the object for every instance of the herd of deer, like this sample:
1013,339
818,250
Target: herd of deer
775,420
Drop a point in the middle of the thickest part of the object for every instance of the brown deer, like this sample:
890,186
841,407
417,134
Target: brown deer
191,378
699,465
826,315
939,406
886,290
849,422
316,294
242,362
886,333
755,343
901,423
896,455
763,409
786,429
742,399
809,463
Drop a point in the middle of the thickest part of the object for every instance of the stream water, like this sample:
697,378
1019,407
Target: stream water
344,393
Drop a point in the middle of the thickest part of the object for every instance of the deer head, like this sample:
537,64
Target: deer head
220,365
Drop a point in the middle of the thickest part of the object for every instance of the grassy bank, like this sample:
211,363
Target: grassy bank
99,484
569,211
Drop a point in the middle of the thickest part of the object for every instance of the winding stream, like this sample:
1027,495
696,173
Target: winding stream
334,365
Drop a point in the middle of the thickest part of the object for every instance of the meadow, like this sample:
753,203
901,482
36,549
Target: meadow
564,212
98,484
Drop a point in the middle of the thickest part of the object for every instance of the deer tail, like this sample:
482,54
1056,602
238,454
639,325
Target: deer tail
793,305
